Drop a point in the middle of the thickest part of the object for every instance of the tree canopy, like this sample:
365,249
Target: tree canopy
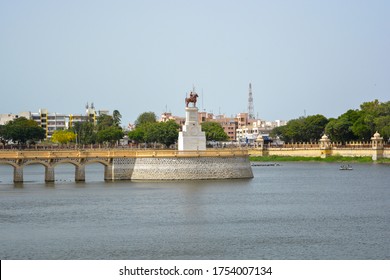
63,136
352,125
116,116
304,129
107,129
85,132
361,124
148,130
110,134
214,131
146,117
22,130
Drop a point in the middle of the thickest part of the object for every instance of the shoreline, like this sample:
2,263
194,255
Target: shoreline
340,159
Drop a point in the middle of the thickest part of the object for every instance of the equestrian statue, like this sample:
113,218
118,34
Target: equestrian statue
192,99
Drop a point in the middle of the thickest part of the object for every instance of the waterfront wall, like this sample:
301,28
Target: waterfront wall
316,152
137,164
191,168
374,149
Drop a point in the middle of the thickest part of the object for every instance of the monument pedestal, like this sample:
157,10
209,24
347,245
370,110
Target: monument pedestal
192,138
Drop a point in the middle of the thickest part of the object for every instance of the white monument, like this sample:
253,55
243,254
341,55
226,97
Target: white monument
192,138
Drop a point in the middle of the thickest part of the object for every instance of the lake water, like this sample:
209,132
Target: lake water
292,211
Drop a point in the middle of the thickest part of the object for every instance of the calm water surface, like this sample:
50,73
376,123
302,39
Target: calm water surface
292,211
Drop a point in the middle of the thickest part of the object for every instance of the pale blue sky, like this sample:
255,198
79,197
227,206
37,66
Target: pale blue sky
135,56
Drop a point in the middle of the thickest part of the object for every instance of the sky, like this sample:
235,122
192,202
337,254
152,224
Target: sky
135,56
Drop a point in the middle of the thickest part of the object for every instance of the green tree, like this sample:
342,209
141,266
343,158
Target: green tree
63,136
85,132
137,134
373,116
147,117
214,131
2,135
161,132
303,129
109,134
362,128
151,132
294,130
279,132
104,121
168,132
22,130
339,130
382,124
144,130
116,116
291,132
314,128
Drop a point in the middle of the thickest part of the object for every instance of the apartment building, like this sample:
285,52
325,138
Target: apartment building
51,122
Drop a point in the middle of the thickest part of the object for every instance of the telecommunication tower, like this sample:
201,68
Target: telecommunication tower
251,113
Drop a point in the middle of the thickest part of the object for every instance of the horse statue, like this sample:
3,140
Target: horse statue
192,99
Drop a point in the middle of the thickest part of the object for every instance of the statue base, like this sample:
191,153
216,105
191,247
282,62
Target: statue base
192,138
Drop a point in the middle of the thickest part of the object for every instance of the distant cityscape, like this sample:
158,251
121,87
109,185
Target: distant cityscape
238,128
244,127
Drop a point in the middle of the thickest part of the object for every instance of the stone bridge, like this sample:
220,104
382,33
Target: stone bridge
124,164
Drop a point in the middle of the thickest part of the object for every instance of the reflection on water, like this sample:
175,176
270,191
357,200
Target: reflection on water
292,211
64,172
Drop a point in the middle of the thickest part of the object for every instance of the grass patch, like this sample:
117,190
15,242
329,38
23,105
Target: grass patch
316,159
384,160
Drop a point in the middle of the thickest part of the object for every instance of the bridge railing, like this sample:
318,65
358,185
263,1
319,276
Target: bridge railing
115,153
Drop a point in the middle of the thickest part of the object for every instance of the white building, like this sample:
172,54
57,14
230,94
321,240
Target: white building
249,133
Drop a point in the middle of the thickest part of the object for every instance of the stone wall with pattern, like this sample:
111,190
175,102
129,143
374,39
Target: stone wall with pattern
122,168
190,168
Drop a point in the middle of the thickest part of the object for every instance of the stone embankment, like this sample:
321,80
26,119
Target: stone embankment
375,149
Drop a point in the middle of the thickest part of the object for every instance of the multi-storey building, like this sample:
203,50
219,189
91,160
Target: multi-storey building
168,116
5,118
51,122
229,125
240,128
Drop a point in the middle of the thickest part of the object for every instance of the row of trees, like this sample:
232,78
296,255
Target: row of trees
353,125
148,130
106,130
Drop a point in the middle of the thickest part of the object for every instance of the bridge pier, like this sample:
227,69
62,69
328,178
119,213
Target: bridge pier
49,174
80,173
108,173
18,174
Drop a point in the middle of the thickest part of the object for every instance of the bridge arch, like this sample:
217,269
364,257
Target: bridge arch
14,164
7,171
31,162
96,169
91,161
65,161
35,171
